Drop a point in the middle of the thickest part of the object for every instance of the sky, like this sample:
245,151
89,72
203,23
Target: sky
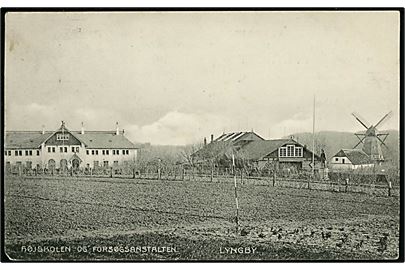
177,77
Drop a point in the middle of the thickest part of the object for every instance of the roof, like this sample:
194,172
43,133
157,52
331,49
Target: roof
236,136
356,156
253,150
92,139
104,139
25,139
256,150
214,150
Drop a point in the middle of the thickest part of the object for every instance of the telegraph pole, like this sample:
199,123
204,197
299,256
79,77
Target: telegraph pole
313,142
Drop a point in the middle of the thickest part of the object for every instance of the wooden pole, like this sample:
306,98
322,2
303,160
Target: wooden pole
313,145
389,188
236,195
159,172
346,184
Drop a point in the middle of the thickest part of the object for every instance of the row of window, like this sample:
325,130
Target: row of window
290,151
105,163
20,152
62,137
28,164
107,152
64,149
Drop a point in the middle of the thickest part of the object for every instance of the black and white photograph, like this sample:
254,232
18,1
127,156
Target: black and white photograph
202,135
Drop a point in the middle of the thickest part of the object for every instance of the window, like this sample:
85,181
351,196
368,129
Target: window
105,163
77,149
343,160
5,153
336,159
87,152
38,153
113,152
9,153
30,152
107,152
62,137
20,152
26,152
127,152
92,152
282,151
117,151
103,152
53,149
65,149
298,151
96,152
61,149
73,149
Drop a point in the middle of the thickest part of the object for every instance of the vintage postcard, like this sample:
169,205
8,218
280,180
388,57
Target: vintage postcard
202,135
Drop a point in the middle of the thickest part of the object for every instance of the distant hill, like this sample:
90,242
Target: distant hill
333,141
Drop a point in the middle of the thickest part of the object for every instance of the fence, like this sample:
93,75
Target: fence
373,185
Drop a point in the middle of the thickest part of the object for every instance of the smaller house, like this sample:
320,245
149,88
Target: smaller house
255,152
281,154
350,159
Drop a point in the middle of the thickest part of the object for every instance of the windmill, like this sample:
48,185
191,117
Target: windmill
371,138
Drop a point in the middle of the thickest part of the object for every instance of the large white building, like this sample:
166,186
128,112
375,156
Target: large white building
65,149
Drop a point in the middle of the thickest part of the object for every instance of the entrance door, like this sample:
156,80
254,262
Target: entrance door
75,163
63,164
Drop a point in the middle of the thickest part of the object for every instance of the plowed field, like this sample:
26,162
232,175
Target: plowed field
105,218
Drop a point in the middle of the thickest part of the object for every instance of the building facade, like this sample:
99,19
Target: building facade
65,149
350,159
280,154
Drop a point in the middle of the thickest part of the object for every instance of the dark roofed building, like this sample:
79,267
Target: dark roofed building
258,152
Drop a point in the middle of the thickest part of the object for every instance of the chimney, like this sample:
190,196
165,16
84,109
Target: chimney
117,132
212,137
82,131
205,141
43,129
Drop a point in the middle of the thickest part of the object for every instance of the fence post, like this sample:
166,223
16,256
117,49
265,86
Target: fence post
346,184
212,172
182,173
133,173
309,180
111,172
274,179
389,188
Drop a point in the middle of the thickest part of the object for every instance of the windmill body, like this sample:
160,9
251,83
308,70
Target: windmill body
372,147
372,139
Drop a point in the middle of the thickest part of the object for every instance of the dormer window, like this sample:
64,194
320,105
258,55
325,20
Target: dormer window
62,137
290,151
